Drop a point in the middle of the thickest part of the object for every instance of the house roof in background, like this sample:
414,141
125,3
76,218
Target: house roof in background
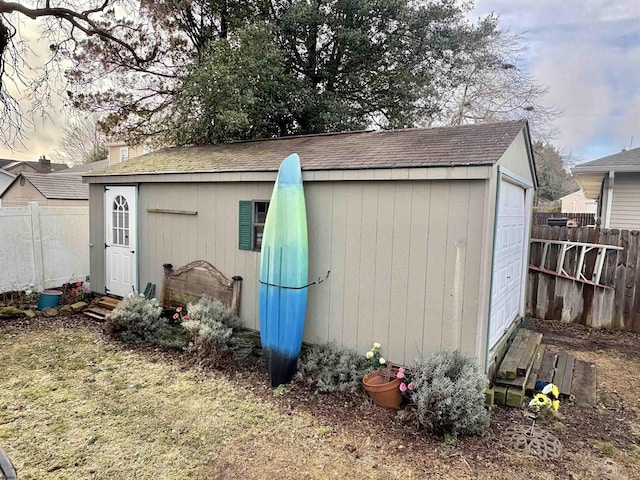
467,145
625,161
84,168
590,175
61,187
4,162
7,163
578,192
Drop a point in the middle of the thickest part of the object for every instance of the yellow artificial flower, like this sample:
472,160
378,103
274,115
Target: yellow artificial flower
369,354
540,399
552,389
377,346
382,361
555,404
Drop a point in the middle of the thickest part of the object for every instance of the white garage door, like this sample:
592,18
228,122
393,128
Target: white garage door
508,257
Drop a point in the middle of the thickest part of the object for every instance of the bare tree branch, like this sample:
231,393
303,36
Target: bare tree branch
65,25
80,20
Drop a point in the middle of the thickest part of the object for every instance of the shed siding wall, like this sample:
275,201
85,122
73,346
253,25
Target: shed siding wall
515,158
625,209
96,237
405,256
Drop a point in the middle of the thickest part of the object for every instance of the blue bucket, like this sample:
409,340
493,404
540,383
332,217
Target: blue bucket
49,298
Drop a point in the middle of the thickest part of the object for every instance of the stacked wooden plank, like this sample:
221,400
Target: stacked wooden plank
573,377
102,308
527,367
513,374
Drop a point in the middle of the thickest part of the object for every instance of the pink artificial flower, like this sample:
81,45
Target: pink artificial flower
73,290
78,284
400,373
179,309
185,318
403,387
410,386
86,289
175,316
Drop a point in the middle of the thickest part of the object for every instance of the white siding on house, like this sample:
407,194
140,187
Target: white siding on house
576,202
625,209
405,256
116,152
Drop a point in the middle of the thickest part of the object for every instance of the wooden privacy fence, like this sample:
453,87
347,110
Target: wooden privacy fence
585,275
541,218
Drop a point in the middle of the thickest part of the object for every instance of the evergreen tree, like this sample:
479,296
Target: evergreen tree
554,178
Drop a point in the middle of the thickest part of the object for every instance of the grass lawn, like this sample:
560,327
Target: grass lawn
75,405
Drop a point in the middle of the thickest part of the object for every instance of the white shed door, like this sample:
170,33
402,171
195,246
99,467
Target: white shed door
120,241
507,261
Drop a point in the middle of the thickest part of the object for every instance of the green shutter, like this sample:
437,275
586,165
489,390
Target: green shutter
245,224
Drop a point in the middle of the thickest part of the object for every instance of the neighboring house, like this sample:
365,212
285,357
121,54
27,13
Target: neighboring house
43,165
615,182
5,180
576,202
121,152
63,187
425,231
46,190
84,168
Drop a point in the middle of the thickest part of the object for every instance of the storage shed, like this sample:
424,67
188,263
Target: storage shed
425,231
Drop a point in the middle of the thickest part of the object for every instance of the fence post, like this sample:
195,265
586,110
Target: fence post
36,244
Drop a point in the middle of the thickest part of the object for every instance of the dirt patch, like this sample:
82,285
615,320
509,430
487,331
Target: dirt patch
580,338
209,424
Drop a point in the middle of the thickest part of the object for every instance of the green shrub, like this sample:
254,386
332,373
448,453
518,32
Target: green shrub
138,320
449,394
332,368
210,327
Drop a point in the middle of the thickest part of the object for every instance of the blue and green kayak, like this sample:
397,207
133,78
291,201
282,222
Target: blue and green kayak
284,273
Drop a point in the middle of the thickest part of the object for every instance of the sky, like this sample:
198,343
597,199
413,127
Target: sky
586,52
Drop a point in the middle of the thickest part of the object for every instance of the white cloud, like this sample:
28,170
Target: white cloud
588,54
582,96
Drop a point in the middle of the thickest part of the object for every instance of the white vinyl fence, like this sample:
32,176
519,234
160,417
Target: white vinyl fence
44,246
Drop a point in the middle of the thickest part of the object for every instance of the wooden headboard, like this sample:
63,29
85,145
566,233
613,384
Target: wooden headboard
196,280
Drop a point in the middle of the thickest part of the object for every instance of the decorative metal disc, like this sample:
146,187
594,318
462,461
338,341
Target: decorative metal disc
534,441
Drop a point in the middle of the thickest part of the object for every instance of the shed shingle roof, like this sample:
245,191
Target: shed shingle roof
481,144
65,187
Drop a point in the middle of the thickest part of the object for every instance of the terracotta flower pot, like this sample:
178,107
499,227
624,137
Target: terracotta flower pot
383,392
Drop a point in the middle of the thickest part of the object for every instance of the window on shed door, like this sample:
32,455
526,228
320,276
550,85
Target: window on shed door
120,221
253,214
